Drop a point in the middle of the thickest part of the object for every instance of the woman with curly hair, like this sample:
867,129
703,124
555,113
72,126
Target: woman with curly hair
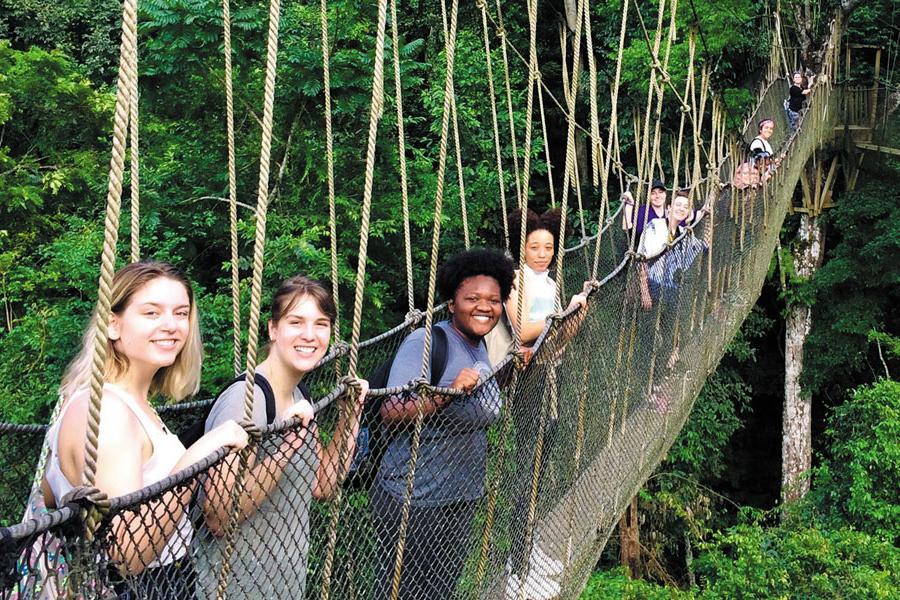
452,455
538,294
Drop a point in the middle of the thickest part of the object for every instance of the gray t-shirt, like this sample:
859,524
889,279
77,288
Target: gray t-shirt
453,444
280,526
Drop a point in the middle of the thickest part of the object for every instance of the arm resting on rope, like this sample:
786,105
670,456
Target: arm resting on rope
627,211
331,470
405,408
261,476
136,541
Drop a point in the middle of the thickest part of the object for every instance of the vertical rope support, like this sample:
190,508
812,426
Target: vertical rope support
613,131
501,180
595,117
540,93
329,160
533,75
570,174
262,203
401,149
534,80
375,112
450,52
110,234
463,212
133,110
232,191
501,33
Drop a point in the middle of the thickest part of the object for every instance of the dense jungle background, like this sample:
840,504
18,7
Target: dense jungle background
710,521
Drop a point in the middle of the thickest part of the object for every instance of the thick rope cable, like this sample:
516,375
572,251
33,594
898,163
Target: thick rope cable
596,140
501,179
232,191
124,86
533,82
645,158
329,161
262,204
613,128
375,113
457,153
571,95
450,53
523,197
534,78
501,33
110,234
540,93
401,150
133,110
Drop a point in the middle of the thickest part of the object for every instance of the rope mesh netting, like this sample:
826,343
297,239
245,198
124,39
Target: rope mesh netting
510,491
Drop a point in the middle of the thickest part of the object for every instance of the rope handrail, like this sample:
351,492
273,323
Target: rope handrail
575,506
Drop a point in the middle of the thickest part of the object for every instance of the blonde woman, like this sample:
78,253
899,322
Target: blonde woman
153,349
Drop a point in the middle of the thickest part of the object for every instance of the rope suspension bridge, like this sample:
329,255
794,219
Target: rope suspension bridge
578,429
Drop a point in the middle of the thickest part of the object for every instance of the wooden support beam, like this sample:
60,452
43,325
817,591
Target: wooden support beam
851,185
818,192
828,187
877,148
807,193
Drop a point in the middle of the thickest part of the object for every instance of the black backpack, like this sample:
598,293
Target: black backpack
196,429
374,436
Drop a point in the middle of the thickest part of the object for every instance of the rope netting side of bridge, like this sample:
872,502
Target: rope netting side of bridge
513,492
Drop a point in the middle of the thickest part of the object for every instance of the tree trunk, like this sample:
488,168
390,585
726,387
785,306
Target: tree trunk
571,14
796,439
629,539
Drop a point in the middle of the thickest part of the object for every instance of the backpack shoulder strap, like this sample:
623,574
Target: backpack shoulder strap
439,350
264,386
269,395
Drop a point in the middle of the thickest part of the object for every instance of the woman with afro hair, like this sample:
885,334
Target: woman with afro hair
451,459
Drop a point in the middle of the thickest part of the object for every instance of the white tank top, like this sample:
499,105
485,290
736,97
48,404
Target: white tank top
167,451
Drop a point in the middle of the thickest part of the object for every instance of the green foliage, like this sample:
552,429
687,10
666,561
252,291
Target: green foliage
86,30
857,483
857,287
617,585
753,561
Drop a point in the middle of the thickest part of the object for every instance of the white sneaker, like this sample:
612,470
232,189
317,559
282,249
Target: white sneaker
535,587
544,564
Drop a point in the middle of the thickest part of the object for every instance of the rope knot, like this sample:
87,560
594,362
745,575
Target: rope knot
351,384
93,505
591,286
252,429
413,316
87,494
422,387
685,107
480,4
340,346
520,359
501,32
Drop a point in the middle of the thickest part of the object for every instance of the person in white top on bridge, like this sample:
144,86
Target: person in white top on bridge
153,348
